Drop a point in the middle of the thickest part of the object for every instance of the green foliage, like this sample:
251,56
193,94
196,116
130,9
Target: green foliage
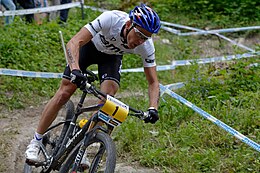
43,42
239,10
240,75
33,48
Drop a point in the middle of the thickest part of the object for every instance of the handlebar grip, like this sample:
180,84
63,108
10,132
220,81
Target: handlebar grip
134,110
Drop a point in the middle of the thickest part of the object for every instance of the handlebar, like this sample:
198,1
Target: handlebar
89,88
141,115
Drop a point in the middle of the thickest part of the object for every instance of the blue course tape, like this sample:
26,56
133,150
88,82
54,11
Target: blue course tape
220,31
203,32
200,30
174,64
214,59
23,73
175,86
206,115
40,10
158,68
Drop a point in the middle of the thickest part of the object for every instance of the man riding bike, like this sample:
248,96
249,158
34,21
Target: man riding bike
103,42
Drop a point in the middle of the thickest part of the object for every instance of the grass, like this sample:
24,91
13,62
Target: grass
188,143
182,141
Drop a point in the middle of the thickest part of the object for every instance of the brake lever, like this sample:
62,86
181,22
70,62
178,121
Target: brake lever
141,115
145,115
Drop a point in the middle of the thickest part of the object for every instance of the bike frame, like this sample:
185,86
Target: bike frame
64,147
70,141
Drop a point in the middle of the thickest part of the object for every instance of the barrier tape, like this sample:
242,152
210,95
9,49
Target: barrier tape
221,31
214,59
174,64
41,10
173,86
48,9
207,31
23,73
174,31
209,117
180,26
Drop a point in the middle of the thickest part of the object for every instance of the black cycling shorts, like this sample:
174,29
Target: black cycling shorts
109,66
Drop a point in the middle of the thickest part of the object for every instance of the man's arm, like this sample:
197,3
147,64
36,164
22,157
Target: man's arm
73,46
153,89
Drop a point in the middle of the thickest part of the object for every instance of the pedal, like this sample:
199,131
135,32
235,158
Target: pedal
35,163
82,168
30,162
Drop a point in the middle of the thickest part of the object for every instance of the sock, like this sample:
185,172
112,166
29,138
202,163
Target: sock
38,137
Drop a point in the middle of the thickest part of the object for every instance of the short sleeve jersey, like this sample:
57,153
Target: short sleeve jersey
106,31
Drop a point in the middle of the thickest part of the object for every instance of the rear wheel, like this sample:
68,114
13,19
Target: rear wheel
52,139
100,155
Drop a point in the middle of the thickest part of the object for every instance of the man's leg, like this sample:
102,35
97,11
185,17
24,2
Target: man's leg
48,116
53,14
9,5
64,13
109,86
27,4
54,105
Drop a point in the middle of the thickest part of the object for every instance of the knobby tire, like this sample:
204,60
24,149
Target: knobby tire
109,148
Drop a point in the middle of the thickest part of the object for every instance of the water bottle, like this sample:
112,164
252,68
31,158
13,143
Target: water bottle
82,122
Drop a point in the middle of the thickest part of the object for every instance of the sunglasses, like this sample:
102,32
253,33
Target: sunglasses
141,35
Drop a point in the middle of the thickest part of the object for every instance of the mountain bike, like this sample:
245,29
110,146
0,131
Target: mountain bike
67,142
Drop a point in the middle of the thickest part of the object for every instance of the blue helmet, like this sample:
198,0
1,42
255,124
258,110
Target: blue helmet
146,18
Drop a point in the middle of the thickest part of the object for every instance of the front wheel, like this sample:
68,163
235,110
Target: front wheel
53,138
100,155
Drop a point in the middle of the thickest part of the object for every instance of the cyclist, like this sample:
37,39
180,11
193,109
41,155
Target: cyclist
104,41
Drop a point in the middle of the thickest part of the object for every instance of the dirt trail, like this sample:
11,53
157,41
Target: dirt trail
17,128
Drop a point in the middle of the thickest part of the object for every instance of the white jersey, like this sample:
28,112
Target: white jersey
106,30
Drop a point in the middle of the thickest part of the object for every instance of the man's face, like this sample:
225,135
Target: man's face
137,36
